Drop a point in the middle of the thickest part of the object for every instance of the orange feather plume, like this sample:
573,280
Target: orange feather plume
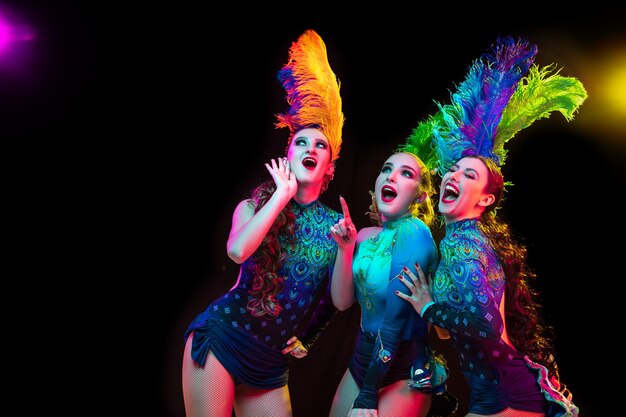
312,91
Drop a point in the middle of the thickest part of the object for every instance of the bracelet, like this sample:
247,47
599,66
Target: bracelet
428,304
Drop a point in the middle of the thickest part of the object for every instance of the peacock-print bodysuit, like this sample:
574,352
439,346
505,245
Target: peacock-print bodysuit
250,347
392,334
468,290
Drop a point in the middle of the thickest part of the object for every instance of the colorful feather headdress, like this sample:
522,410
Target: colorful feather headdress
503,93
312,91
419,142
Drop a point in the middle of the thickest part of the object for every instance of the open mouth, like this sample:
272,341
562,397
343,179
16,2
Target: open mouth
388,194
450,194
309,162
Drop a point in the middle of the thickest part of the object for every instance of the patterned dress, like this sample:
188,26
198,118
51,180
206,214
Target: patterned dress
468,289
393,336
250,347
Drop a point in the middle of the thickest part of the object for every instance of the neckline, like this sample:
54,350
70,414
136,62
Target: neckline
392,224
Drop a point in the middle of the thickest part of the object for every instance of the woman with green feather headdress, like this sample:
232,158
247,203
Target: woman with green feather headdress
481,291
392,371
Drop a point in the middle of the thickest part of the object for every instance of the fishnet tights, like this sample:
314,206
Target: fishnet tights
395,400
509,412
211,392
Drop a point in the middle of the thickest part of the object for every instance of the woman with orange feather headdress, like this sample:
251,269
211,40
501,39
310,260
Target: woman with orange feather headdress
237,350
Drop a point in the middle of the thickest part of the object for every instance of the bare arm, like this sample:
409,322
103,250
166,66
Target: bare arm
342,284
249,228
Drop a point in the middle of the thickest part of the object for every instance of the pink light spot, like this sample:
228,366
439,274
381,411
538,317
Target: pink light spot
5,35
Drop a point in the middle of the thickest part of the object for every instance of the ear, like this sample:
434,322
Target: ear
420,198
330,169
486,200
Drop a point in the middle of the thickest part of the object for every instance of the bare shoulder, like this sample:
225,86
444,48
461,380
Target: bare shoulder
367,233
247,204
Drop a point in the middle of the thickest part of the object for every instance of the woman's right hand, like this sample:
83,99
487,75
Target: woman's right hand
285,180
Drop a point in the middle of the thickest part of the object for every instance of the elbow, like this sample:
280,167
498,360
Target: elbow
342,305
235,255
443,334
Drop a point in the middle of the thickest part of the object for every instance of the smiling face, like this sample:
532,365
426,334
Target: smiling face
309,156
463,192
398,186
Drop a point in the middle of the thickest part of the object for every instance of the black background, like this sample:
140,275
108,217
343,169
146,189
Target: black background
139,134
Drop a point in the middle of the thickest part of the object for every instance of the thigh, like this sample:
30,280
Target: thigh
346,393
509,412
398,400
254,402
209,390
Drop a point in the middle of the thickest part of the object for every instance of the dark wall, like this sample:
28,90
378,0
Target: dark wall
389,78
174,111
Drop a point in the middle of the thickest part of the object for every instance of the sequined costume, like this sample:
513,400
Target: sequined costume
392,335
250,347
468,289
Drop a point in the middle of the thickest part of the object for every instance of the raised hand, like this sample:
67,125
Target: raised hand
285,180
344,231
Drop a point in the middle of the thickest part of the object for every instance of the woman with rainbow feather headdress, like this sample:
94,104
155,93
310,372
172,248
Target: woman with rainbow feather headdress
480,291
238,350
392,372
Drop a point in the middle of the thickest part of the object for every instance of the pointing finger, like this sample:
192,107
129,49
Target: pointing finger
344,208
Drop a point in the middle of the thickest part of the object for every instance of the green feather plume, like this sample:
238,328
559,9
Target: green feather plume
540,93
420,141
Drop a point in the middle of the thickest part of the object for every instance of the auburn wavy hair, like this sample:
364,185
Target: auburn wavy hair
269,257
528,332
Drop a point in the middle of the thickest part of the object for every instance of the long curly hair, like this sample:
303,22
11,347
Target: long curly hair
270,256
528,332
424,210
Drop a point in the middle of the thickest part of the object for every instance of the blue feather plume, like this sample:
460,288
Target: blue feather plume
469,124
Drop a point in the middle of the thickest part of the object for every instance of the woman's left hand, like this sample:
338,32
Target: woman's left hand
362,412
419,287
295,348
344,231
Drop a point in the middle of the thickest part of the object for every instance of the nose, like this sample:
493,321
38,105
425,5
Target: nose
453,176
391,177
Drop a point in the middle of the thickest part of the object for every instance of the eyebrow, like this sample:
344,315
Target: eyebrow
390,164
465,169
470,169
315,139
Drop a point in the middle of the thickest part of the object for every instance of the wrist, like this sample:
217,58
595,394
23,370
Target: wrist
425,307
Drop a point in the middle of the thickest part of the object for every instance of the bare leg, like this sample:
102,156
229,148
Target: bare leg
395,400
346,393
509,412
208,391
398,400
255,402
